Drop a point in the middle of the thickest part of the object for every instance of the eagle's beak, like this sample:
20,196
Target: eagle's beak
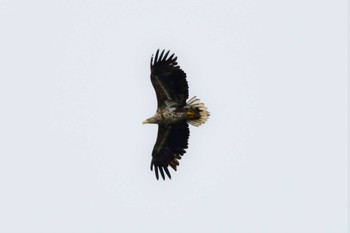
151,120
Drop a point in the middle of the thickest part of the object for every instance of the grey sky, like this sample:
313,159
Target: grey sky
75,88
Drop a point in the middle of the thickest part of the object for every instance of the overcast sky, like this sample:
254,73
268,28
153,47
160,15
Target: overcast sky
75,88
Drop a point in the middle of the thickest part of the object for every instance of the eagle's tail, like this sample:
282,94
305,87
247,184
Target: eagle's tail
197,113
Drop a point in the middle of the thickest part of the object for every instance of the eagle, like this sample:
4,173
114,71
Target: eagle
174,113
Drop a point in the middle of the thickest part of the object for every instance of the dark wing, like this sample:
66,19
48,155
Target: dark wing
172,140
168,80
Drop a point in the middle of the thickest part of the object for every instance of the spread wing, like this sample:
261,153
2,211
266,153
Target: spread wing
168,80
172,140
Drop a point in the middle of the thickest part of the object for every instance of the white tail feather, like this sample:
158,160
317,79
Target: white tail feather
195,103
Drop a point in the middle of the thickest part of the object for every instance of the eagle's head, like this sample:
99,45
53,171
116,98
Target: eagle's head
153,120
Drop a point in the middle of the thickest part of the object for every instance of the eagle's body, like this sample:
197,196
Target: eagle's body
173,113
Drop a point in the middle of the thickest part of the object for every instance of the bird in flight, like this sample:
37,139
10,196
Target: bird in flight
173,113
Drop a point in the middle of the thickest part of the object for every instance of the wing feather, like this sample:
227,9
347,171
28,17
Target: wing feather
168,79
172,140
